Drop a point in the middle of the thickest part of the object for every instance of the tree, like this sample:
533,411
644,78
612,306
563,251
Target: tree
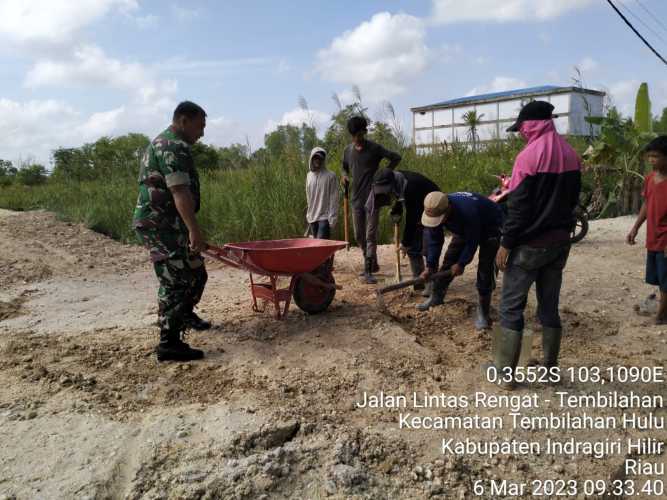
660,125
31,175
643,118
7,172
616,163
291,142
234,157
472,121
205,157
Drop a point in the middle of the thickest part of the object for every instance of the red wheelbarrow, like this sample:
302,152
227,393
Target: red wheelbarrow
308,263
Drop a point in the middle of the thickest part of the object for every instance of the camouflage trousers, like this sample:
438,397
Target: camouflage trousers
182,276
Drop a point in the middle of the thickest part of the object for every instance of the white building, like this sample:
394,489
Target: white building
442,123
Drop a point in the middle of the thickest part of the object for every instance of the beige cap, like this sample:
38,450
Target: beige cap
435,206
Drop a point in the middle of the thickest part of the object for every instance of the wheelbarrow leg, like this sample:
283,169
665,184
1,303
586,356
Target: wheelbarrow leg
254,297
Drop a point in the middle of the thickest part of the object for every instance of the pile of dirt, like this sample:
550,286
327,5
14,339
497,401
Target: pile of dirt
271,411
47,247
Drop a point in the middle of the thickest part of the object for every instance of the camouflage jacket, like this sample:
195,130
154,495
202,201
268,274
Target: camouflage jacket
167,162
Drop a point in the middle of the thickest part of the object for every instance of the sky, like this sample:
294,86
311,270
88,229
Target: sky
72,71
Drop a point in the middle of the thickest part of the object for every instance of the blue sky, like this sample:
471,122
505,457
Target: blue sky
74,70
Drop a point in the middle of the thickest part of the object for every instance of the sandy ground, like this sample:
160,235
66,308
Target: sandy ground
87,412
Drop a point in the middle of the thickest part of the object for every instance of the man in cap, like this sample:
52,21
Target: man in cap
543,194
408,189
474,222
166,223
361,160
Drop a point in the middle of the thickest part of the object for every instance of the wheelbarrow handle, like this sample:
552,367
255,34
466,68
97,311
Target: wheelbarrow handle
415,281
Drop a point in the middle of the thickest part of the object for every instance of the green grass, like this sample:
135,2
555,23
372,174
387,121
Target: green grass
262,202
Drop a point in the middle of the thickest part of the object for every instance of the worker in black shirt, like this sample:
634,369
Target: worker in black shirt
409,190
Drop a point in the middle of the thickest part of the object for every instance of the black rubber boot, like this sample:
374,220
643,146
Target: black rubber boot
483,320
196,323
368,277
172,348
375,267
551,345
507,348
437,298
417,267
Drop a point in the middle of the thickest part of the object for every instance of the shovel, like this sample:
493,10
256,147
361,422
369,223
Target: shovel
404,284
397,243
346,213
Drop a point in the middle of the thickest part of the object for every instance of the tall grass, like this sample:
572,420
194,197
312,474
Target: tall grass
266,201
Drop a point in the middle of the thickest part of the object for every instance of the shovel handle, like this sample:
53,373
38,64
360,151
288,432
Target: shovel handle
415,281
346,213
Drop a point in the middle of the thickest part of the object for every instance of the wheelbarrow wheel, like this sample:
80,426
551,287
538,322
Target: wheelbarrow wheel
311,298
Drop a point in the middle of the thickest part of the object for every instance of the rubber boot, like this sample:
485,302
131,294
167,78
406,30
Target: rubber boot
363,272
194,322
507,348
551,345
172,348
368,278
417,267
375,267
428,289
483,320
437,298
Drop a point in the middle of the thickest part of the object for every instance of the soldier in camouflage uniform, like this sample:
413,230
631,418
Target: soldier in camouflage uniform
165,222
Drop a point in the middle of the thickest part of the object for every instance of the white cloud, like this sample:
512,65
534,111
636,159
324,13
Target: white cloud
623,94
587,65
380,55
498,84
52,22
222,131
35,127
101,124
457,11
89,66
298,116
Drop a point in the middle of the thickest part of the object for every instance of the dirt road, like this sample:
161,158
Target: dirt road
86,411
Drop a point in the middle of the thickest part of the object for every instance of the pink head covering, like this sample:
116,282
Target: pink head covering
546,152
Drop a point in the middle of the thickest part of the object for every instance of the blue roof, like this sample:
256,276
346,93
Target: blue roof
498,95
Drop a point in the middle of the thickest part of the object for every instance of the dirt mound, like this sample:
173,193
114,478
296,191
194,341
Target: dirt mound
271,411
45,247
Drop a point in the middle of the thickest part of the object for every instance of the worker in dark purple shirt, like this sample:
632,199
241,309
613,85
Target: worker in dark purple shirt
474,222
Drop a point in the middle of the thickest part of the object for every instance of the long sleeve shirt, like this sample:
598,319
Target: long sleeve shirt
363,165
322,196
416,189
544,189
473,217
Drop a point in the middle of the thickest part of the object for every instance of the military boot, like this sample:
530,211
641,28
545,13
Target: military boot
437,298
483,321
417,267
551,345
368,277
193,321
506,351
172,348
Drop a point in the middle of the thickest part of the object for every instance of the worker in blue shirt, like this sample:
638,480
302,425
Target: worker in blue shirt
475,222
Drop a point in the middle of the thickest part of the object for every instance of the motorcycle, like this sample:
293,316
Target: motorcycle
499,195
